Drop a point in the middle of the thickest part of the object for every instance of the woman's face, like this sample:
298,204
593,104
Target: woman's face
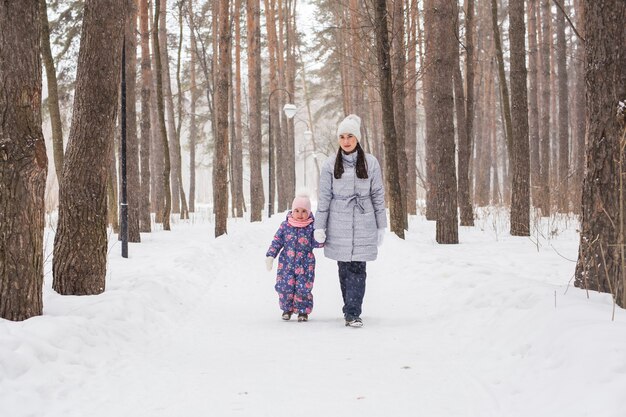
300,213
347,141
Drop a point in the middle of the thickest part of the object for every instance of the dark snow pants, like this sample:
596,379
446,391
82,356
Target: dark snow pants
352,281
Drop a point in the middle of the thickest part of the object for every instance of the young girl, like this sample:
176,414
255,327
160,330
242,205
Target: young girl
296,264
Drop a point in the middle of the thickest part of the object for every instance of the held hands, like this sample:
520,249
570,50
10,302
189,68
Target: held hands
269,263
381,237
319,235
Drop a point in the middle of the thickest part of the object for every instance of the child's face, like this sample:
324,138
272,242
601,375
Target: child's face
300,213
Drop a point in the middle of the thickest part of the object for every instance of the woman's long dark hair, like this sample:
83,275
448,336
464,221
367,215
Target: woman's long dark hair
361,163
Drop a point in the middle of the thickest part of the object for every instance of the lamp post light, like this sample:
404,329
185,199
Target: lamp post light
290,110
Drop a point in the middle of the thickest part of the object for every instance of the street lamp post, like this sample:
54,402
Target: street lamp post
290,110
307,138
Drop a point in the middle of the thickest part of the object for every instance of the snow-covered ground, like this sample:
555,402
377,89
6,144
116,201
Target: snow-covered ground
189,325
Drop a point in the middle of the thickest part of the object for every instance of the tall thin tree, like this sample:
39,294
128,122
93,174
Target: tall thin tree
601,264
392,174
253,27
24,162
520,162
80,245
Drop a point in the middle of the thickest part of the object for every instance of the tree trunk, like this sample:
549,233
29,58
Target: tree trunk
53,94
410,104
600,264
146,88
399,79
253,19
467,215
544,121
184,210
465,205
504,90
24,162
162,131
220,167
170,119
392,175
237,144
533,115
579,110
113,217
564,164
193,128
80,245
431,144
520,197
443,122
132,145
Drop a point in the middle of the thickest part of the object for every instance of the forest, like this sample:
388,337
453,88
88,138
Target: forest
113,110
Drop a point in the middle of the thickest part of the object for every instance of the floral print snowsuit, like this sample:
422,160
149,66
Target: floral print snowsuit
296,266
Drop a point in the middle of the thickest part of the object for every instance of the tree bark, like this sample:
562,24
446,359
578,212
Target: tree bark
220,166
253,19
466,220
184,210
443,122
399,80
145,126
53,91
132,145
429,110
579,110
24,163
465,205
392,175
600,264
533,114
193,128
170,119
564,164
544,121
162,130
237,142
80,245
410,104
520,197
504,90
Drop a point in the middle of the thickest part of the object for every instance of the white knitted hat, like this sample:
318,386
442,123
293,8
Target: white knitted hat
351,124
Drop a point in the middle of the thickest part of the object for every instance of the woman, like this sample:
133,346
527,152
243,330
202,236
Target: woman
351,217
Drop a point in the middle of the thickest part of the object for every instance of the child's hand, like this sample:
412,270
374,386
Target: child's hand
269,263
319,235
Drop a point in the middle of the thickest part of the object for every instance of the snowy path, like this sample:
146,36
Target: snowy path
190,326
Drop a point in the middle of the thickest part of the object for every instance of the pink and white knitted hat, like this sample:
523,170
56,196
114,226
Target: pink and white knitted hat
301,201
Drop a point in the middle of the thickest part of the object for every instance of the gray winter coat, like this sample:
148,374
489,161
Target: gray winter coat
351,210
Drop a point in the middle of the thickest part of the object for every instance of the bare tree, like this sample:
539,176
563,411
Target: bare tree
53,91
563,142
80,244
443,122
132,145
220,164
520,197
254,114
465,204
600,264
24,162
162,130
145,126
533,114
392,175
544,120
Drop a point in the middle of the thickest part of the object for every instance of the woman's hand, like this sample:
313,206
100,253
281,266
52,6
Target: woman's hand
319,235
269,263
